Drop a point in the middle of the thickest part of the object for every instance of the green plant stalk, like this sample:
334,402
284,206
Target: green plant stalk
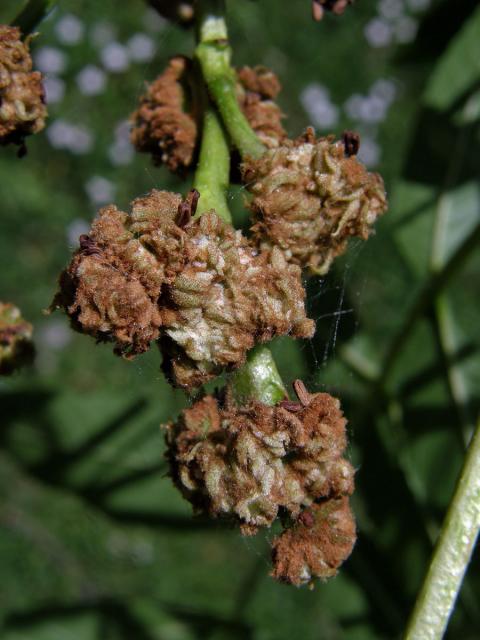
213,170
258,378
214,54
33,13
452,553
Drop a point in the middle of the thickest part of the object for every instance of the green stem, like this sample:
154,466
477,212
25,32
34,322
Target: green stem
34,12
214,54
212,175
452,553
258,379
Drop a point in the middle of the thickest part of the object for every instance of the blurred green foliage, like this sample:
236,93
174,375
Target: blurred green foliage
94,541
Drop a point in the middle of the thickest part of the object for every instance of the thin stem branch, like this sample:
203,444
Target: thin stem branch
214,54
258,378
212,175
452,553
33,13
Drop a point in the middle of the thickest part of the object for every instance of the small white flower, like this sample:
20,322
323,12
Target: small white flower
378,33
114,57
141,47
100,190
49,60
70,29
54,89
91,80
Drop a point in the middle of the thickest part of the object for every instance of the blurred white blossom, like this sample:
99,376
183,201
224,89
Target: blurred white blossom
74,230
74,138
378,33
322,113
54,89
153,21
141,47
114,57
418,5
390,8
100,190
121,152
54,334
91,80
369,152
102,33
406,29
49,60
69,29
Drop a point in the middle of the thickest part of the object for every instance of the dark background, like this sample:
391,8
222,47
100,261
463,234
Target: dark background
94,541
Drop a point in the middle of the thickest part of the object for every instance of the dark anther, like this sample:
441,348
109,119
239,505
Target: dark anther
291,405
302,393
187,208
351,142
88,246
307,519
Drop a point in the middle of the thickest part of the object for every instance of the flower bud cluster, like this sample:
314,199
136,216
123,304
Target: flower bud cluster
16,348
22,98
310,196
196,283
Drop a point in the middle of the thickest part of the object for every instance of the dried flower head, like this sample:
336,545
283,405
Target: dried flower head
247,462
227,298
164,124
22,98
257,89
316,545
197,283
16,347
310,196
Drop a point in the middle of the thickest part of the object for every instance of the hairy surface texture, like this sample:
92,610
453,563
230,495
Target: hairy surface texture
22,98
164,124
316,545
310,196
257,89
196,283
248,462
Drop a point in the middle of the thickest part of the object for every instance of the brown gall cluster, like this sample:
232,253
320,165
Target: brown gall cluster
310,196
254,463
166,123
22,98
195,284
16,347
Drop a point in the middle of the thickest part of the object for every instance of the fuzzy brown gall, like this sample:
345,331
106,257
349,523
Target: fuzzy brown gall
247,462
197,284
310,196
16,347
164,124
317,544
22,97
257,89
